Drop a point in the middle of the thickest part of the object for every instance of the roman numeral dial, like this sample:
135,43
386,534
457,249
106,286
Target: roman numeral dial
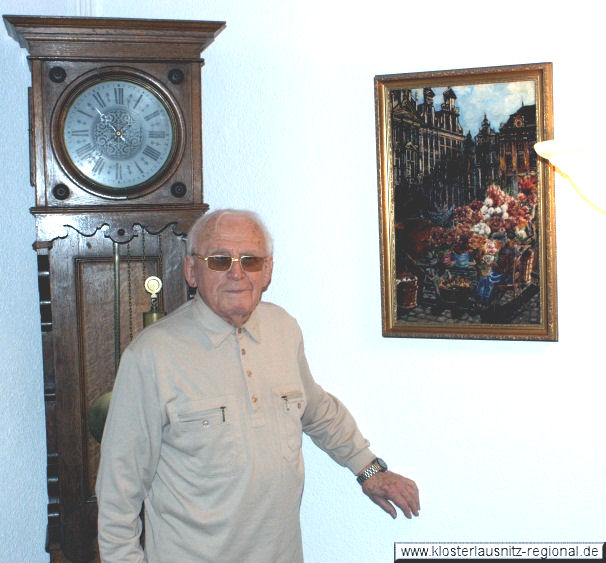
119,134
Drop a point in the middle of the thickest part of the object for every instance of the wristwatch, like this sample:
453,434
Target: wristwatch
377,466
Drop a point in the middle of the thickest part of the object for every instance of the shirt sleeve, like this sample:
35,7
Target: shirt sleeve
130,449
330,425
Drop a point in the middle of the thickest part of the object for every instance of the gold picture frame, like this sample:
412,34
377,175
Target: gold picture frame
466,206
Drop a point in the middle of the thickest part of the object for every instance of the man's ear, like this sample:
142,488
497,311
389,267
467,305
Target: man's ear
267,271
189,271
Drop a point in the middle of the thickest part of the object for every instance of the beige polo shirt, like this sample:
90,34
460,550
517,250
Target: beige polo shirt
204,430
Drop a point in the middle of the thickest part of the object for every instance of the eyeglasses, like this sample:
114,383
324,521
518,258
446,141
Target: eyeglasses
219,263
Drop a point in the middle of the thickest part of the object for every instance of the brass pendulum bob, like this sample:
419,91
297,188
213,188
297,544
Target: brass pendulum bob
153,285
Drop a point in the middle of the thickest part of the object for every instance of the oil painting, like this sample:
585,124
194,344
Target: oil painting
466,205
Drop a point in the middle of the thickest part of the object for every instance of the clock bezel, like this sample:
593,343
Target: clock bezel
140,78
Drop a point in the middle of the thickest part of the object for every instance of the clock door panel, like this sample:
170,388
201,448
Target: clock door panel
95,284
83,330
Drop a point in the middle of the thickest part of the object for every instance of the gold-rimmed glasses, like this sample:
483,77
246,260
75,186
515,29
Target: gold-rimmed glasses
223,263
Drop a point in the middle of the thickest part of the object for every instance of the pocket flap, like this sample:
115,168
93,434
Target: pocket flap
292,397
201,412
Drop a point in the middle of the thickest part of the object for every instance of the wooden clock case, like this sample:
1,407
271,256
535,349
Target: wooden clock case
95,250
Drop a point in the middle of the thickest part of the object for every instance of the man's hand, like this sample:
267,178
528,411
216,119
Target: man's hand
388,486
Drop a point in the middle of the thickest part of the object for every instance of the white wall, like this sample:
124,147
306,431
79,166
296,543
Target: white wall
505,439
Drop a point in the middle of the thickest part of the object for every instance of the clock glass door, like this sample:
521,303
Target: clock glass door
118,135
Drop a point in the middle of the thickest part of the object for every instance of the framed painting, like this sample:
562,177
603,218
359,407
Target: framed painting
466,206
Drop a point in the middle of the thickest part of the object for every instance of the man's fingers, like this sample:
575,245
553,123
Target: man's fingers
407,505
408,499
385,505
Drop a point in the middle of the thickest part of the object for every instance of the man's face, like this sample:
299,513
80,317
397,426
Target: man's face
233,295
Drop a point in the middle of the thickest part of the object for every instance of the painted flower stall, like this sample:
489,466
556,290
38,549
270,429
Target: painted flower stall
479,259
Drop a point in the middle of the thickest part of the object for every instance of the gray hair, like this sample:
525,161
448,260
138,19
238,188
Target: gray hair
201,224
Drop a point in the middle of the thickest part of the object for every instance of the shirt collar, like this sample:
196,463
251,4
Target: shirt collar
217,329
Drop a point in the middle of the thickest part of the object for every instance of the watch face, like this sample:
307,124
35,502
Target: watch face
118,134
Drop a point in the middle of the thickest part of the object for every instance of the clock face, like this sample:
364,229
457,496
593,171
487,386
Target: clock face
119,135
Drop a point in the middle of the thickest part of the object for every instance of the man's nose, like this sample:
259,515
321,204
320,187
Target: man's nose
236,271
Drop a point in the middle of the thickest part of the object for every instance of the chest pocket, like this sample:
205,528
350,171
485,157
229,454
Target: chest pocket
290,406
206,432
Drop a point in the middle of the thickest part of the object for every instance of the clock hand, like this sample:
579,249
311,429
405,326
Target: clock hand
102,116
106,121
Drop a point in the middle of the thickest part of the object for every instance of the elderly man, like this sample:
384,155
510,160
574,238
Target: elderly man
207,414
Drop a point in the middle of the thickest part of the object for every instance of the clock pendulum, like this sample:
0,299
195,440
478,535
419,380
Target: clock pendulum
116,263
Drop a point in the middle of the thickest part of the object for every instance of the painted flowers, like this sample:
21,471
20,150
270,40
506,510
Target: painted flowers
483,228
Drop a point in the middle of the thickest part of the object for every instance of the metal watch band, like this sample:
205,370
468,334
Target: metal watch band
377,466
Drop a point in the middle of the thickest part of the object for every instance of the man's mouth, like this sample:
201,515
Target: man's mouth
238,290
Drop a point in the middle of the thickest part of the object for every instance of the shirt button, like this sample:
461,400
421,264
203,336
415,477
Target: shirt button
249,373
205,423
254,399
239,331
243,352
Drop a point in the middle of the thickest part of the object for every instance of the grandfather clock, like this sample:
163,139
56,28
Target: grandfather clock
116,161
